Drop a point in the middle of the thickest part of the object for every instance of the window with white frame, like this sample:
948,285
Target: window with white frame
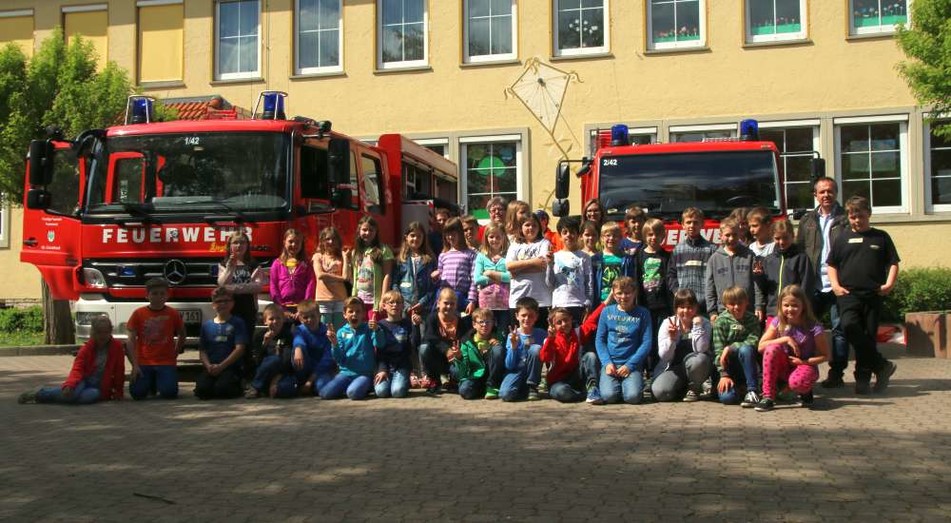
871,160
938,169
796,142
580,27
492,167
490,30
775,20
319,36
699,133
237,35
876,16
673,24
401,30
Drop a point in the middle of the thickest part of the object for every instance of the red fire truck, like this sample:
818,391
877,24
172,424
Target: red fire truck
665,178
116,207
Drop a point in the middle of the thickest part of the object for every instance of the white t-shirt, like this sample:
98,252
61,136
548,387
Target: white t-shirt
531,284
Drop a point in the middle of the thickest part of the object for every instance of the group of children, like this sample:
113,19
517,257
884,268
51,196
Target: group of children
502,315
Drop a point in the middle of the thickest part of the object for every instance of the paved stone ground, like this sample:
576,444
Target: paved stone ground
879,458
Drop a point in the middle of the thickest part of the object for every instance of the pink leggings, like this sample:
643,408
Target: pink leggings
776,367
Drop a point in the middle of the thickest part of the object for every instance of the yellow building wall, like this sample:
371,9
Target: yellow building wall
18,30
21,281
828,76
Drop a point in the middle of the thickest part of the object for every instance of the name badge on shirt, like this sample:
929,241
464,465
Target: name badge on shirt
856,240
693,263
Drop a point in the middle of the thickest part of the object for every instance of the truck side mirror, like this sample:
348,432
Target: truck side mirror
39,199
41,162
342,198
561,181
818,168
338,161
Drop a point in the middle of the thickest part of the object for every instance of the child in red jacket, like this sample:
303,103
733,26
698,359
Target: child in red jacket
98,372
562,351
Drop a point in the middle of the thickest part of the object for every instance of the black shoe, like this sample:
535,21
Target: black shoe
765,405
807,400
833,382
863,387
884,375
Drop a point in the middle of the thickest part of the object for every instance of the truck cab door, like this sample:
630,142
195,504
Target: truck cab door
52,231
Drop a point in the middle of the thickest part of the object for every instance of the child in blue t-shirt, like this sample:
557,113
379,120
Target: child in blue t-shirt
311,366
522,362
354,349
223,342
623,342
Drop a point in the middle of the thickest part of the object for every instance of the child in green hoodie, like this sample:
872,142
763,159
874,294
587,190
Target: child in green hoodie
735,338
470,356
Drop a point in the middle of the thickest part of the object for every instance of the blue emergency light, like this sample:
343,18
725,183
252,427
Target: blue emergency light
139,109
272,103
619,135
749,129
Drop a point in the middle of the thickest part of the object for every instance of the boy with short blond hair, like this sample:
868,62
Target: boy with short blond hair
729,266
394,363
156,336
310,365
863,267
688,261
623,343
736,335
634,219
223,341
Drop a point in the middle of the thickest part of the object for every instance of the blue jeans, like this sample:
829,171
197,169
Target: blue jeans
353,387
840,346
472,389
270,366
515,385
83,394
744,371
163,378
396,385
630,389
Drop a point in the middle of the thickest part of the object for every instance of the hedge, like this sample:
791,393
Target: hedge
918,290
21,320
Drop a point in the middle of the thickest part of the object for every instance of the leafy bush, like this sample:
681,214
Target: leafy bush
918,290
21,320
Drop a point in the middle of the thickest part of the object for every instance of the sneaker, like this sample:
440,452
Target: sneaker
691,396
765,405
533,394
787,396
543,386
751,400
863,387
252,393
832,382
27,397
884,375
491,393
594,396
807,400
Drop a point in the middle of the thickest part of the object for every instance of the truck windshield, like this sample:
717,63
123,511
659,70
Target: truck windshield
203,172
716,182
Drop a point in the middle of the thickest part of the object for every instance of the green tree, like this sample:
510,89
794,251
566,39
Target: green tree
928,43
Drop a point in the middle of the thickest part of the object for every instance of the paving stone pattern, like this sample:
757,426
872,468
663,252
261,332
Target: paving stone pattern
878,458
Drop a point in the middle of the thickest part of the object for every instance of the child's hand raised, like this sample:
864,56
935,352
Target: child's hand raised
454,353
673,327
513,337
331,334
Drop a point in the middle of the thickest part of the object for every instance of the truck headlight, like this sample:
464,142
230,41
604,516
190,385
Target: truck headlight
94,278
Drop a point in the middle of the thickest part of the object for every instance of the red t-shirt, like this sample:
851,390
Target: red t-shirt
155,335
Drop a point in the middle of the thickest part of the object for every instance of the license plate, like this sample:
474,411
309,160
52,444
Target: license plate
192,316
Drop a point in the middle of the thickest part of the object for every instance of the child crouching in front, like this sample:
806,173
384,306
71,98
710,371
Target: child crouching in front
562,351
395,359
272,353
354,349
623,343
793,346
98,372
686,359
472,358
223,342
524,369
735,335
311,365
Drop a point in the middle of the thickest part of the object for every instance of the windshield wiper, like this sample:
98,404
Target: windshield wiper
236,215
137,210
